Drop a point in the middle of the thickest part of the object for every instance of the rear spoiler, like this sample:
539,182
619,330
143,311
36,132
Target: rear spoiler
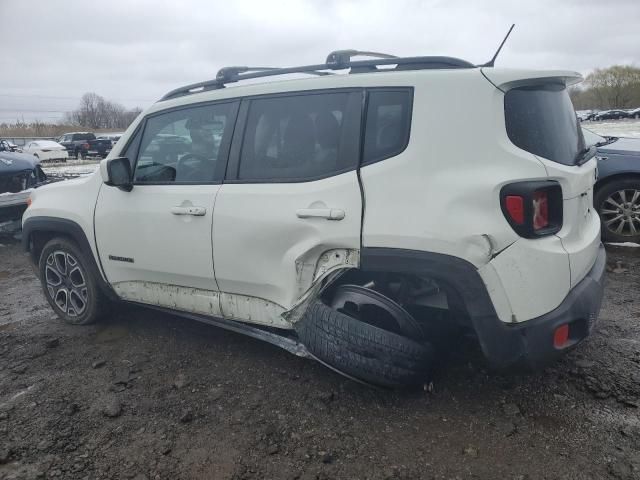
505,79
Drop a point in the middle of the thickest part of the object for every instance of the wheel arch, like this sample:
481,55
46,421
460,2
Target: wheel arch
464,281
623,175
37,231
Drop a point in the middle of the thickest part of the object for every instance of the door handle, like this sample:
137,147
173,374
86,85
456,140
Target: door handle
191,210
328,213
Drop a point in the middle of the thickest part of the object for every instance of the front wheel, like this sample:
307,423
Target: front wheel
69,284
618,205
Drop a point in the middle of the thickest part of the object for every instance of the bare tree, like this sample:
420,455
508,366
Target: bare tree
96,112
614,87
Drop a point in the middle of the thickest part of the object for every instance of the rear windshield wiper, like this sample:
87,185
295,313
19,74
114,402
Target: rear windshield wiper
585,155
606,141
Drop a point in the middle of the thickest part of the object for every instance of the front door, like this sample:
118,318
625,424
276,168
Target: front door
290,209
154,242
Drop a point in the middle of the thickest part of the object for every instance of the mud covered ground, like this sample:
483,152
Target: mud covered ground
151,396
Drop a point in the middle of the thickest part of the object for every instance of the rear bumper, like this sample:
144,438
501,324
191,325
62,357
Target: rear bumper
530,344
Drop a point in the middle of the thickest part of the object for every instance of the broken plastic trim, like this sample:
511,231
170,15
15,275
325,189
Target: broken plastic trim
287,342
361,297
284,341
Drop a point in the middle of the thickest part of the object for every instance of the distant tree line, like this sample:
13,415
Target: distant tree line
96,112
603,89
36,128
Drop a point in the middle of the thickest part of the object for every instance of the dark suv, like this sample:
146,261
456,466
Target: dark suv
85,144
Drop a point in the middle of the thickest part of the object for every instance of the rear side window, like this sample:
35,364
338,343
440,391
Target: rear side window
84,136
542,121
388,124
300,137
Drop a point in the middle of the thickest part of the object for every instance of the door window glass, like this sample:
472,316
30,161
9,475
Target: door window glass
299,137
186,145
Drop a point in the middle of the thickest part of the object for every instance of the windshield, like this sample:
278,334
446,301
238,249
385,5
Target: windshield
541,120
47,143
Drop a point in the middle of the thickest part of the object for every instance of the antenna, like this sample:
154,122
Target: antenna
493,60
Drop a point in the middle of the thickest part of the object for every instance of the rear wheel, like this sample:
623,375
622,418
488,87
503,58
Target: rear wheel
364,351
618,204
69,284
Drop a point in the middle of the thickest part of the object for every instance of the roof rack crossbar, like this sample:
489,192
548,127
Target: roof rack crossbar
231,74
340,59
238,73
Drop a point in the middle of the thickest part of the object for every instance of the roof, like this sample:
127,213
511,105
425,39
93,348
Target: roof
337,60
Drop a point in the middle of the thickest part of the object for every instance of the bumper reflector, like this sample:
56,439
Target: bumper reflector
561,336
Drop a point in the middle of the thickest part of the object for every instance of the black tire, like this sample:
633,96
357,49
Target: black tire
363,351
602,206
67,303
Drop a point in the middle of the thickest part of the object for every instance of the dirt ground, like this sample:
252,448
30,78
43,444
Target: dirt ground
151,396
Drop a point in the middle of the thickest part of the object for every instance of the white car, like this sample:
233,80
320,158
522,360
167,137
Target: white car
46,150
347,217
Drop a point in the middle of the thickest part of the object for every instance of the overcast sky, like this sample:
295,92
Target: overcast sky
133,51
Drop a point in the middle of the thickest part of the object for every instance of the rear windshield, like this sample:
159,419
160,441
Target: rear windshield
542,121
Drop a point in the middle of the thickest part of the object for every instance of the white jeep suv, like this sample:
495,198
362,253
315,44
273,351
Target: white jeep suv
347,217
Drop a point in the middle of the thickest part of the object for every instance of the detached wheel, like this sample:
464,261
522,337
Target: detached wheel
69,285
364,351
618,205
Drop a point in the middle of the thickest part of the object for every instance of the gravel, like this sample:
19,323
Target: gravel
148,395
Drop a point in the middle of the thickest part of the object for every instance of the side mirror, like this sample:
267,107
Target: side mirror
116,172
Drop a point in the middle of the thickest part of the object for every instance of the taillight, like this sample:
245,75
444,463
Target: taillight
533,209
85,146
515,207
540,209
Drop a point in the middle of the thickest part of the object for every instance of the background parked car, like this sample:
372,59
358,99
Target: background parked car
617,191
584,115
7,146
114,137
611,115
18,173
46,150
85,144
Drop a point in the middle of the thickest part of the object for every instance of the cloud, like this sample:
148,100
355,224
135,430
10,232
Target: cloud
133,51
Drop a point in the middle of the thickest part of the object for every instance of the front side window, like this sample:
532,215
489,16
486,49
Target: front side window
388,124
300,137
184,146
542,121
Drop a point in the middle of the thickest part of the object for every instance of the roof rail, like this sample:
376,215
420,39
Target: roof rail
338,60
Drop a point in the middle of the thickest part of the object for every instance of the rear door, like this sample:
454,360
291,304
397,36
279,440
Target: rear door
154,242
290,209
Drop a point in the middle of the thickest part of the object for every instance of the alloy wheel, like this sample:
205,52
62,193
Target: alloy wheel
620,212
66,283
